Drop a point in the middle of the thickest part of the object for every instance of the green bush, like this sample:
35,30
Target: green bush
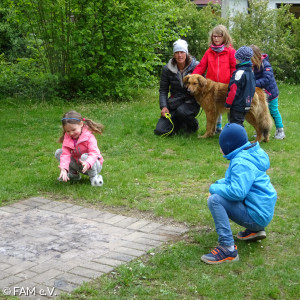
25,79
275,32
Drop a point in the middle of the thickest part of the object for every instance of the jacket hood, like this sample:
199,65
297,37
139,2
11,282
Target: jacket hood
265,57
253,153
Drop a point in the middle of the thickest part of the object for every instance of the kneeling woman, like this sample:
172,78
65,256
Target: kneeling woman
178,111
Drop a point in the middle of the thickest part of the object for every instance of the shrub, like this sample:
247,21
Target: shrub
273,31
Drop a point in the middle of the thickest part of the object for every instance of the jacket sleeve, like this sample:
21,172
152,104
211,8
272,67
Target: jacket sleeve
267,74
237,186
232,61
164,88
93,150
65,158
202,66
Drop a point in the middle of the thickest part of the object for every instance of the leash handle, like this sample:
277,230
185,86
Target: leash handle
168,116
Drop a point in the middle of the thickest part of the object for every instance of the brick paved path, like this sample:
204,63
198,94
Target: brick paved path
49,247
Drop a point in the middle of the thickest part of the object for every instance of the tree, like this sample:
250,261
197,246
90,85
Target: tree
102,47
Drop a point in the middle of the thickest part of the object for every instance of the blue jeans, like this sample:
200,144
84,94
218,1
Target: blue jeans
222,210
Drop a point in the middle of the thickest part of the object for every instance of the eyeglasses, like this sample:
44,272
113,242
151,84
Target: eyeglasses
217,36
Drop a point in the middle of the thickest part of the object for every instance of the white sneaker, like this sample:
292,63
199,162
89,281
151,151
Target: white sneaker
97,180
279,134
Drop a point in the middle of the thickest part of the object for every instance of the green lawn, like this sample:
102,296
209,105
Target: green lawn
163,178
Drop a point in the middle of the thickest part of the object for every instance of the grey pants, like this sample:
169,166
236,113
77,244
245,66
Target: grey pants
75,167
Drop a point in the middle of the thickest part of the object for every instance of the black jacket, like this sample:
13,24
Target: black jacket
241,88
172,81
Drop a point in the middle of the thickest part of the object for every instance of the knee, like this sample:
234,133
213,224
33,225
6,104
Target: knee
181,112
212,200
58,153
84,156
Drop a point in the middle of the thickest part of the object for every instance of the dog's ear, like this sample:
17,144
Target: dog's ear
202,81
186,79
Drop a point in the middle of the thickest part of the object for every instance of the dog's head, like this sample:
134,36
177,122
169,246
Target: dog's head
194,83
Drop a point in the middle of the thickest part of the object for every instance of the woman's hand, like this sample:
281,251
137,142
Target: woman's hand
63,175
164,111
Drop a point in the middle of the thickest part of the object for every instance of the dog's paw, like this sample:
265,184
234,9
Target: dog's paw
97,180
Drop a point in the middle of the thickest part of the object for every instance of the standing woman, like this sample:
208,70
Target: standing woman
179,110
218,61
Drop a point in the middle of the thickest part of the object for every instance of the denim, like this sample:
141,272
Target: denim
222,210
273,107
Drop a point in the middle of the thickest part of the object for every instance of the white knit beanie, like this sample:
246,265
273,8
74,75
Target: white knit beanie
180,45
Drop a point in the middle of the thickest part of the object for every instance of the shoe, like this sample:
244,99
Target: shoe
220,255
97,180
279,134
249,235
218,130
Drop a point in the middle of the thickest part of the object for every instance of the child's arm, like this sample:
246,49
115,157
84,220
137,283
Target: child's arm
267,74
63,174
238,185
202,66
93,154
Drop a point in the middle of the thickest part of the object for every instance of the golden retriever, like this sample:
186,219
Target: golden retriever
211,96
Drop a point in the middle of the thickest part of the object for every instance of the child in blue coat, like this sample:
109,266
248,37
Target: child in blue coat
265,79
245,196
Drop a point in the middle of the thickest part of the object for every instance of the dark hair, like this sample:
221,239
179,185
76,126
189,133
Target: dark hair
73,117
188,60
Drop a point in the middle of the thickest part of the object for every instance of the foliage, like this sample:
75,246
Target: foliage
25,79
199,22
274,32
12,42
98,47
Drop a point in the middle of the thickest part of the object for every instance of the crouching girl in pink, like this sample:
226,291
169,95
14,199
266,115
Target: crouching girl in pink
79,152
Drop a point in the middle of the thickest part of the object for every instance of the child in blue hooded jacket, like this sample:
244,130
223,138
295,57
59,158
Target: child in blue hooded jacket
245,196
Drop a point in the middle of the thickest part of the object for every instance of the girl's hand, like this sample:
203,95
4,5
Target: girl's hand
85,166
63,175
209,194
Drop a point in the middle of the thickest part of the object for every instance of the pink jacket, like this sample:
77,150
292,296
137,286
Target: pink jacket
86,143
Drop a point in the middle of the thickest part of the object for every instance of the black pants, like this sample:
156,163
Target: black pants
184,117
237,117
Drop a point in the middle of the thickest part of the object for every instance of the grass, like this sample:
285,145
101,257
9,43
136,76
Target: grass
163,178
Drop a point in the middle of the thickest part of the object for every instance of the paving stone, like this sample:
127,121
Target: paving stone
73,279
89,273
45,277
139,224
97,267
115,219
47,244
130,251
126,222
108,261
120,256
4,266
